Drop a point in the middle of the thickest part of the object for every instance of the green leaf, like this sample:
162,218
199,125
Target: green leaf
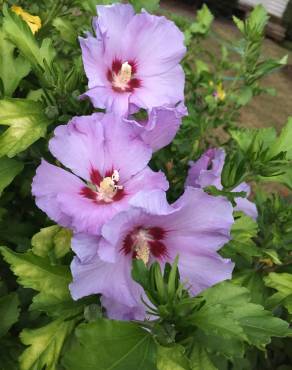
149,5
217,319
9,168
172,358
263,137
45,345
53,239
20,34
200,359
27,123
257,324
113,345
50,281
12,68
284,141
67,30
245,95
203,21
253,281
9,312
242,232
282,282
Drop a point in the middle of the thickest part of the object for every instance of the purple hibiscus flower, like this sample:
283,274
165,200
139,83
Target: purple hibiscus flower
207,170
194,227
132,60
108,161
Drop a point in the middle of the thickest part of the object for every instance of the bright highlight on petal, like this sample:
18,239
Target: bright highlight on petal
34,22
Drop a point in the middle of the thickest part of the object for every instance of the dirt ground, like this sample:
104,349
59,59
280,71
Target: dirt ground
263,111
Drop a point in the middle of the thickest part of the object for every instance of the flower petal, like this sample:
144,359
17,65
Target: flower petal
79,145
166,88
155,43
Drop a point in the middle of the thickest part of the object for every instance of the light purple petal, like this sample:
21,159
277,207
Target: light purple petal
153,202
79,145
201,271
112,23
200,175
161,127
85,246
124,150
155,42
202,222
92,56
167,89
246,206
119,311
110,279
50,181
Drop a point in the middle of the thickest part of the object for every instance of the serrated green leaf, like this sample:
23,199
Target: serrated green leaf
217,319
9,168
284,141
253,281
257,324
9,312
172,358
200,359
113,345
263,137
27,123
12,68
50,281
203,21
45,345
282,282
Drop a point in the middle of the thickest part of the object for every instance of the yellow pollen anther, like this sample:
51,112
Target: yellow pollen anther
121,79
108,187
142,251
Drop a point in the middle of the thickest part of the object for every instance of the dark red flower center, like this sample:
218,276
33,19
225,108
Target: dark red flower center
103,190
144,243
122,76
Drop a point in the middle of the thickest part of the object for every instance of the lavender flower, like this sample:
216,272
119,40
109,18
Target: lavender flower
194,227
133,60
108,161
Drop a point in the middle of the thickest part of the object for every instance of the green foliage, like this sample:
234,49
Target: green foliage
112,345
9,168
45,345
282,282
12,69
26,121
9,312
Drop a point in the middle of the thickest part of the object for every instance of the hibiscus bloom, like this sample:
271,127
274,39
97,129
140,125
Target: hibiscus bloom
109,165
132,60
206,171
194,227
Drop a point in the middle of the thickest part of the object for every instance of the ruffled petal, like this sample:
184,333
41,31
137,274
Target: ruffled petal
161,127
79,145
92,55
166,88
48,183
155,43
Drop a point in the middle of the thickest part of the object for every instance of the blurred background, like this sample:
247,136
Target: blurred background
264,110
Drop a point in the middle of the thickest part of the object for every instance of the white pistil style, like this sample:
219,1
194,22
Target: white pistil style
122,79
108,188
